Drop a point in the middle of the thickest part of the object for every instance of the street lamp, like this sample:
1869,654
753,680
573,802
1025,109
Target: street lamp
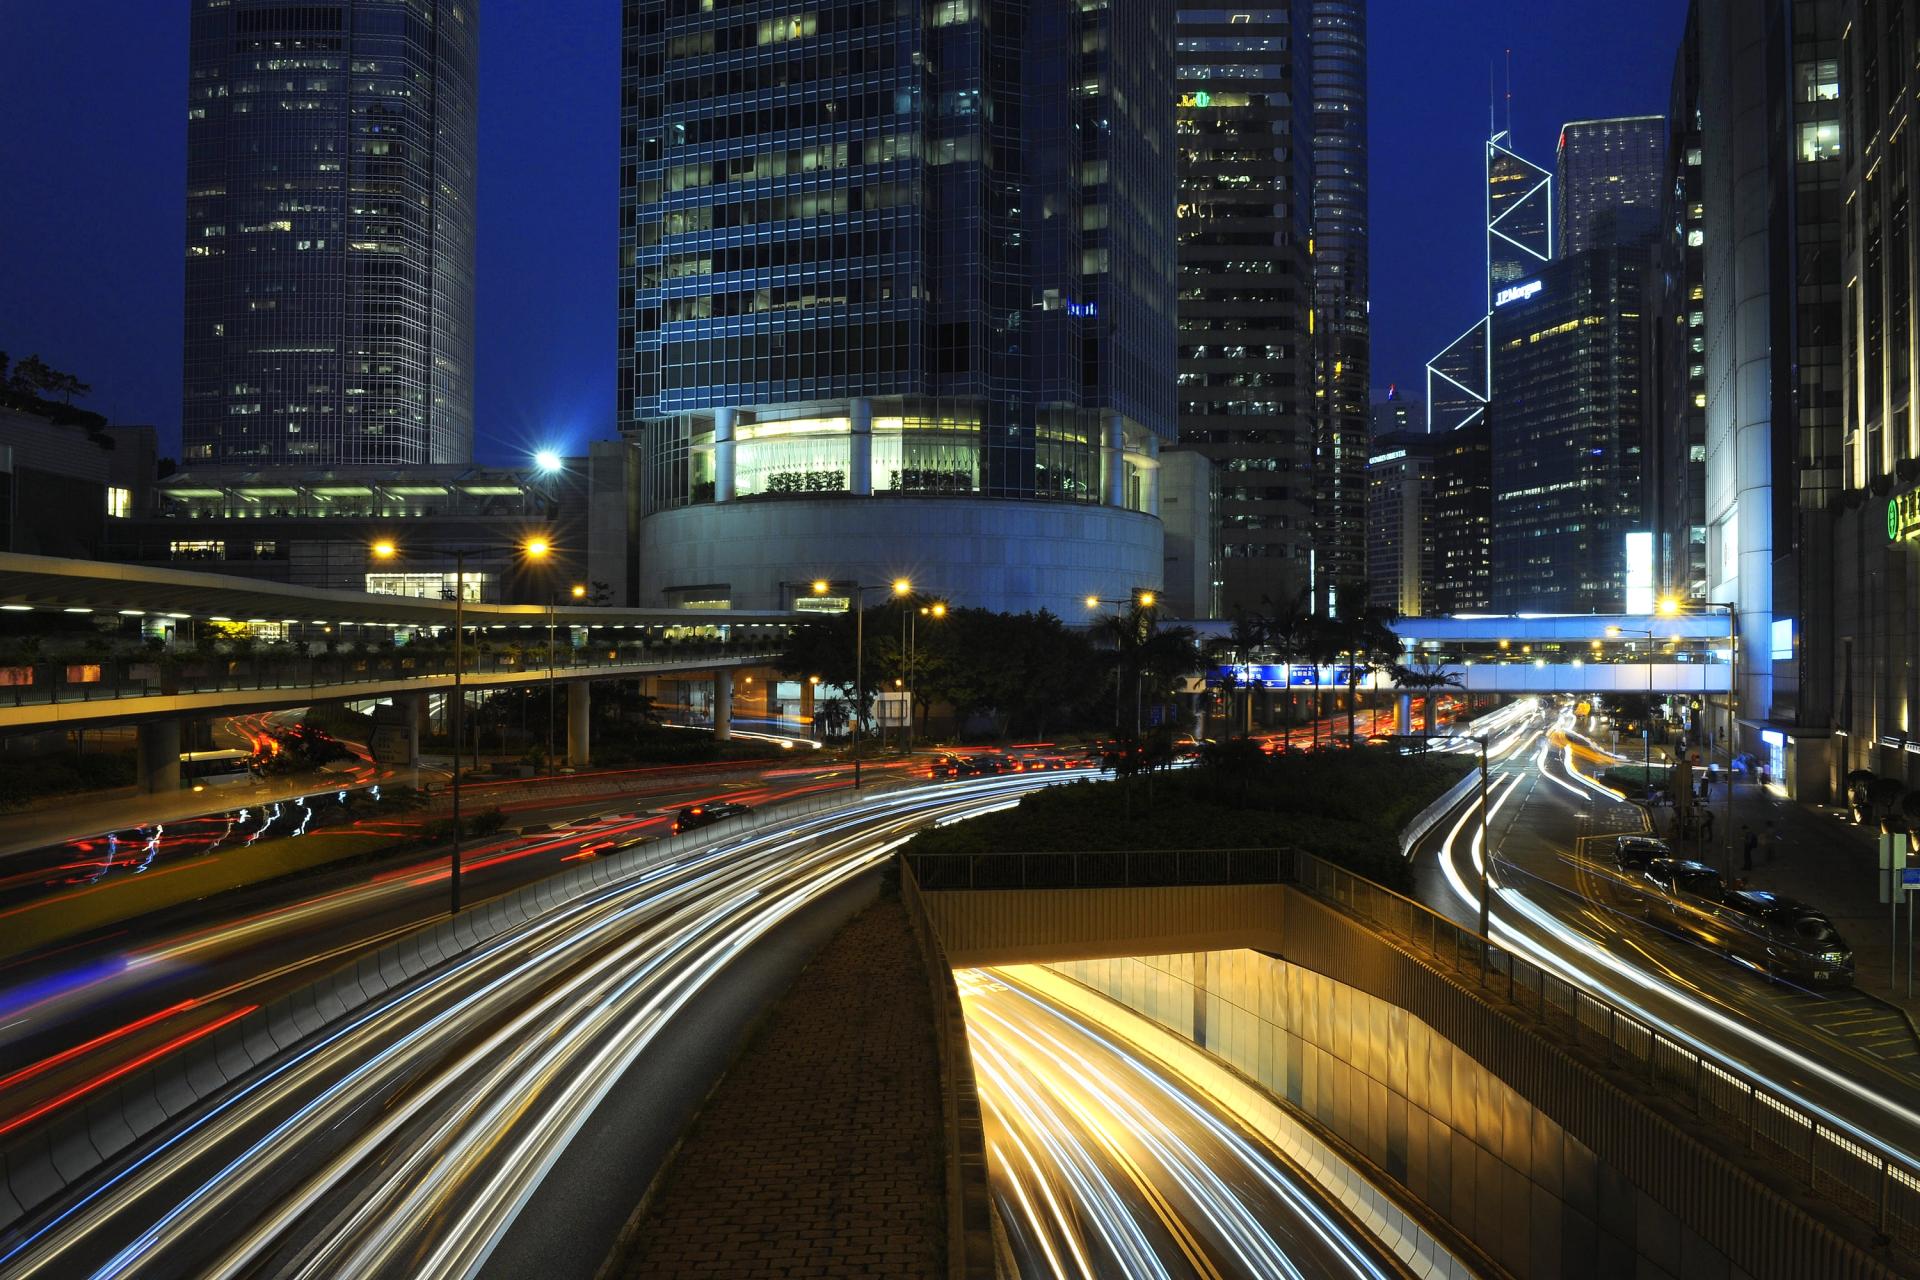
579,592
899,587
1672,607
1142,600
1646,729
547,461
535,548
911,621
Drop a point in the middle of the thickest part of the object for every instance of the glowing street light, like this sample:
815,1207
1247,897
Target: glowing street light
899,587
547,461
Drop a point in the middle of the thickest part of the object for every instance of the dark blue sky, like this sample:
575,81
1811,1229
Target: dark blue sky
91,210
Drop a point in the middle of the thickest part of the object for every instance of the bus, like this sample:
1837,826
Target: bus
205,768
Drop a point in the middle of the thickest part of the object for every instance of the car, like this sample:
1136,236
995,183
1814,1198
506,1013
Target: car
1632,853
1626,885
944,767
704,815
1686,895
984,766
1785,937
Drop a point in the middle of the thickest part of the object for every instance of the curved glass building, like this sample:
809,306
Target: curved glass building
897,296
330,237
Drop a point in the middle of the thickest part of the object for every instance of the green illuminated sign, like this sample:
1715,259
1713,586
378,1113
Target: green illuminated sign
1203,99
1903,516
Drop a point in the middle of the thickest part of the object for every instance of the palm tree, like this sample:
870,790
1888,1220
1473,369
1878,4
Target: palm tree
1287,628
1428,676
1238,647
1368,642
1153,654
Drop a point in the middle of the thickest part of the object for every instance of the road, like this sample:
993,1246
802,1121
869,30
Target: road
1838,1053
75,1018
405,1140
1107,1163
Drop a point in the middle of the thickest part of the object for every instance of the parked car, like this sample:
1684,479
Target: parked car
704,815
1786,938
944,767
1631,854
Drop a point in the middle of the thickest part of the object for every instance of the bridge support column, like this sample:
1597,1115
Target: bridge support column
158,757
417,712
1403,717
579,719
722,705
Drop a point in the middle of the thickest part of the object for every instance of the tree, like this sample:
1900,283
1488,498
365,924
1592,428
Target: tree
1287,628
31,376
1367,641
599,594
1227,656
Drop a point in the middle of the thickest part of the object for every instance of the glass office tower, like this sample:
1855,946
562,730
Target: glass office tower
1608,166
1340,295
330,233
1246,288
892,272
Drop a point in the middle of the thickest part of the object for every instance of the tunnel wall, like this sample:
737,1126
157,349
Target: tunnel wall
1545,1162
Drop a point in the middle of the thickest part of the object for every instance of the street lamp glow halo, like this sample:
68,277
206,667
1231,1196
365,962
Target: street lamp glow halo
547,460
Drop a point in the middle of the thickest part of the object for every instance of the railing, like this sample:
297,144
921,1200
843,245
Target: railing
1114,869
1882,1192
47,682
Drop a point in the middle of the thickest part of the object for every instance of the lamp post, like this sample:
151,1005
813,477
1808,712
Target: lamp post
1486,854
533,549
937,609
1142,600
1646,729
899,587
1670,606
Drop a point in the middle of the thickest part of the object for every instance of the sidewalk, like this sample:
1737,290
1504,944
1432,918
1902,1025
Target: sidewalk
1827,862
819,1152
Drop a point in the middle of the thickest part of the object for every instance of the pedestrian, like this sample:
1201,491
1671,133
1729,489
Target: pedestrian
1706,826
1748,843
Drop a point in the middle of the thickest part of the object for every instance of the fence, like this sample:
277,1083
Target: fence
1882,1192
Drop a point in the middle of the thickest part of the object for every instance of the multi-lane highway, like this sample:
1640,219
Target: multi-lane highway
78,1016
1838,1054
1107,1162
406,1140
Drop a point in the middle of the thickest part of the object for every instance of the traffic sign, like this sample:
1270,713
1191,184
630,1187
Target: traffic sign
1910,878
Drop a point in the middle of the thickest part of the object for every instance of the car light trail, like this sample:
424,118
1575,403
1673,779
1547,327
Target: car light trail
421,1124
1148,1167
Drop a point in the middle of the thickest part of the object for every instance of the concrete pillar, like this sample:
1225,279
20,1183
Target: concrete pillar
158,757
722,705
1403,718
415,705
1113,462
723,455
860,446
579,722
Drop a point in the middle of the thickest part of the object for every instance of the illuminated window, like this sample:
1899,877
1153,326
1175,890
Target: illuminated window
119,503
1820,140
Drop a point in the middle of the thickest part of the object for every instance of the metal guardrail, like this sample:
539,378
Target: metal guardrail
1881,1192
1113,869
118,680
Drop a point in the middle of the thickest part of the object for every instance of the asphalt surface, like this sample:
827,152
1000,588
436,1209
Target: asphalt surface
1106,1162
1837,1052
408,1140
75,1015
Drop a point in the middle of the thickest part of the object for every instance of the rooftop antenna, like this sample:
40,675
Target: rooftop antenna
1509,93
1493,116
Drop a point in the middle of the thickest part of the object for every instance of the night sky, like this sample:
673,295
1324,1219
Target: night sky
93,207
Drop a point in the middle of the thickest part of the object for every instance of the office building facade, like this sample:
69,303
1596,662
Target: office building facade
1340,296
1429,517
1568,429
1773,176
897,298
1246,361
1876,622
330,233
1677,456
1615,166
1399,543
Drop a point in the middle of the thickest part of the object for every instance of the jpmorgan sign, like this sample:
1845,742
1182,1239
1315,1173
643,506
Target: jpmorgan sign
1518,293
1903,516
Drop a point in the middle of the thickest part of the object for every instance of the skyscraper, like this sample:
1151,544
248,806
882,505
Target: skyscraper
1519,242
1340,294
1618,165
1777,382
1677,458
1247,366
897,298
1568,425
330,233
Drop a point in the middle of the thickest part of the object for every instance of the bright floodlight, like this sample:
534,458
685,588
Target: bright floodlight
1669,605
579,592
821,586
547,460
384,550
1146,599
902,587
537,548
1093,602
